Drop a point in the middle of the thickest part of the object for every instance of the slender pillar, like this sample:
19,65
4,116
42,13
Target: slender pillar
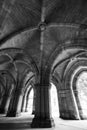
23,104
42,117
7,104
27,99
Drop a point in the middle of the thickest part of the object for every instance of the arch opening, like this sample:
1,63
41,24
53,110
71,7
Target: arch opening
28,101
29,108
81,85
54,101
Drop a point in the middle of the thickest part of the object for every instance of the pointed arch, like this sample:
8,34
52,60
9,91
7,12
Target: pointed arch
66,110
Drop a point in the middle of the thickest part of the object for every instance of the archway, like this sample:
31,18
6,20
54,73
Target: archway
54,101
81,85
76,77
29,107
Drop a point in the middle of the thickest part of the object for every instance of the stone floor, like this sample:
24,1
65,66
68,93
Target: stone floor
23,123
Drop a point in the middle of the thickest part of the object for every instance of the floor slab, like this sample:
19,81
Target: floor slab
23,123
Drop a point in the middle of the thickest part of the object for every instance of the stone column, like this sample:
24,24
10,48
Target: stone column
6,99
42,117
19,104
27,99
23,104
15,105
67,105
5,103
34,97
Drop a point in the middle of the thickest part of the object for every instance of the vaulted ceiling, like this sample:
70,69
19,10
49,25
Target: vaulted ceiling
39,26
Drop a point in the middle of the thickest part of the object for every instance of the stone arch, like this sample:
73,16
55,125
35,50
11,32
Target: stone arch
12,53
9,86
19,93
19,56
68,113
50,63
73,73
27,80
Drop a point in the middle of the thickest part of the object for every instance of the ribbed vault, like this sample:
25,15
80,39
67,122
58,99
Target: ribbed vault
38,26
40,41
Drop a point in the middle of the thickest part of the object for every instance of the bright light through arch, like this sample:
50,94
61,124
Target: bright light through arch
30,102
81,85
54,101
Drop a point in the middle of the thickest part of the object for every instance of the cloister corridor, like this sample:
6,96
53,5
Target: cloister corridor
24,120
43,64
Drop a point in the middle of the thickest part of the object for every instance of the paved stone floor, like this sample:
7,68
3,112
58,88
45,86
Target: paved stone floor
23,123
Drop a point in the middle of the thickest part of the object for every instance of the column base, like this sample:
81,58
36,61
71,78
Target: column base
2,111
69,116
39,122
83,117
12,114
